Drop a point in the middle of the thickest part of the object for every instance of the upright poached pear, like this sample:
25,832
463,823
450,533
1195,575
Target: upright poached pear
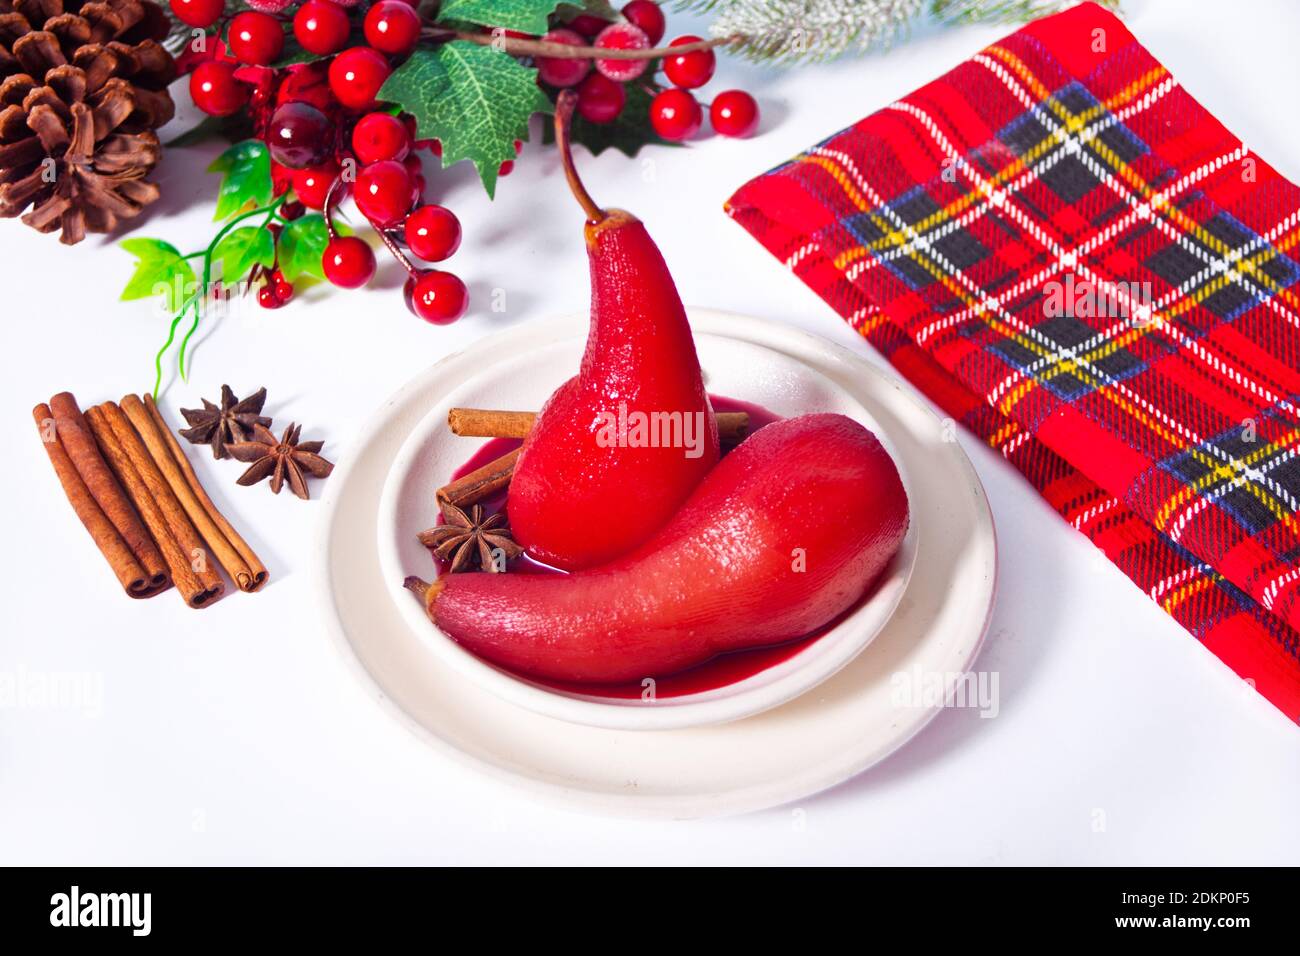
617,448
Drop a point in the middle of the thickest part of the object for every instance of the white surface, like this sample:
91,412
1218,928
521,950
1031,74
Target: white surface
235,734
739,355
828,734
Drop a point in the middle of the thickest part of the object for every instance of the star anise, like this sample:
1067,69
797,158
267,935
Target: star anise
232,422
468,539
281,458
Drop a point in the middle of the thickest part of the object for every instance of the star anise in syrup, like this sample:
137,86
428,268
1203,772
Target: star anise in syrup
468,539
281,459
222,426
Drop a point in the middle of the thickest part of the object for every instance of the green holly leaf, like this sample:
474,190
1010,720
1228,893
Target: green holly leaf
241,249
160,269
526,16
599,8
301,246
475,99
246,179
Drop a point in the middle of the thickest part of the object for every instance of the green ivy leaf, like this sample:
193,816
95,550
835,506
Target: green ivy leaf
629,131
475,99
302,244
527,16
241,249
246,179
159,267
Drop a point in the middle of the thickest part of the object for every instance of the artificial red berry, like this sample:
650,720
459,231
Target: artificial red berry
600,99
648,16
321,27
391,26
348,262
734,113
689,70
299,135
675,115
622,36
383,192
267,298
283,287
437,297
270,6
255,38
214,89
588,24
356,75
198,13
380,136
432,233
563,71
313,184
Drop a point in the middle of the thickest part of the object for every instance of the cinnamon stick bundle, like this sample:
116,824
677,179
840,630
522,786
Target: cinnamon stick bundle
76,438
231,550
141,575
183,549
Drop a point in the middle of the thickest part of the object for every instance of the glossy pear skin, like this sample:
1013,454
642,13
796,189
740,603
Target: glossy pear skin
573,503
724,574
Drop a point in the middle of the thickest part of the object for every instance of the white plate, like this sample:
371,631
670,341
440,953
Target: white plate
765,377
821,738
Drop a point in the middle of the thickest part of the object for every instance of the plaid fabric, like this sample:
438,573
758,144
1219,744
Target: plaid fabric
1079,263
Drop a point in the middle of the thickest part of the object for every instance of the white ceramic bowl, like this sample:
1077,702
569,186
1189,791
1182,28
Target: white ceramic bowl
732,368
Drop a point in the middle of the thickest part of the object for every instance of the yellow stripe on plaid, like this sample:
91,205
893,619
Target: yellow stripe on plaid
1190,590
1224,472
1134,332
1176,216
897,237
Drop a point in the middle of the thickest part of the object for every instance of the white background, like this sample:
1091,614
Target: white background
236,734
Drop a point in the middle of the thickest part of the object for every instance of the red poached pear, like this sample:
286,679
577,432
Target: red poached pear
588,486
783,536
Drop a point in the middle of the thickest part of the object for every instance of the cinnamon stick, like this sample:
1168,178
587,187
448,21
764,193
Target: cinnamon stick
137,582
197,580
490,423
186,580
84,454
480,483
494,423
234,553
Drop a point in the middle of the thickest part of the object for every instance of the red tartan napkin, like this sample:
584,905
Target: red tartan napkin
1065,251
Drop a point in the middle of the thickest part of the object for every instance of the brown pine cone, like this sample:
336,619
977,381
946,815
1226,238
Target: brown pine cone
82,87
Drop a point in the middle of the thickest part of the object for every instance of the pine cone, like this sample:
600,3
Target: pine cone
79,100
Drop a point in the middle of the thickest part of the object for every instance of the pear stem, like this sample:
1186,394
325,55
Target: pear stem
564,107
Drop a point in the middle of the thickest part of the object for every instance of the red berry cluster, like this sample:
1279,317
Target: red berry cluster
675,114
320,123
327,135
